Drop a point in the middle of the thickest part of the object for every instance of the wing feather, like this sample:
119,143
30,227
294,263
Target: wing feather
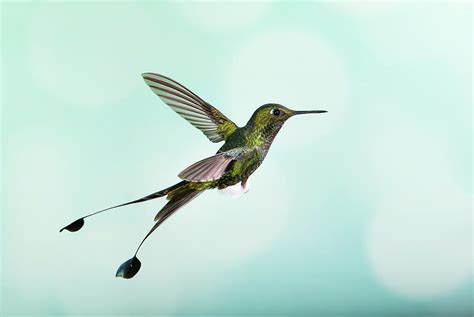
210,168
191,107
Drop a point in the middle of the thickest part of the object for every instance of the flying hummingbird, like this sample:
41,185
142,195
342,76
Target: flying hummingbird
242,153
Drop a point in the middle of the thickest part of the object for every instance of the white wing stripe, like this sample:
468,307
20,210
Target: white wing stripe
188,113
179,85
203,122
208,130
194,115
203,126
177,88
175,83
171,99
160,90
187,108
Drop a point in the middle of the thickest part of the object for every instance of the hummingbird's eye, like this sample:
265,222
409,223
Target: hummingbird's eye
275,112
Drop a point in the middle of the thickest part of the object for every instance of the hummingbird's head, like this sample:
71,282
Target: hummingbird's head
267,120
275,114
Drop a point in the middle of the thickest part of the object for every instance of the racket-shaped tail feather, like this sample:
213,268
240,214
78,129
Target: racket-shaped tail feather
79,223
177,199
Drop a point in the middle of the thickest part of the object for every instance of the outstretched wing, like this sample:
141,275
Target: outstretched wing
188,105
210,168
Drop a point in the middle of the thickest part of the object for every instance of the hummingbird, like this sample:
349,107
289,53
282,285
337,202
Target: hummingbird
243,151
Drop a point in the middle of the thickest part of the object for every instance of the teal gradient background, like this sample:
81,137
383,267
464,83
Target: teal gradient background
364,210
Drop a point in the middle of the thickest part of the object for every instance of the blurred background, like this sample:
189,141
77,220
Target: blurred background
364,210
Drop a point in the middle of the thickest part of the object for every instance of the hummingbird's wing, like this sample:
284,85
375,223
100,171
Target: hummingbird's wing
188,105
210,168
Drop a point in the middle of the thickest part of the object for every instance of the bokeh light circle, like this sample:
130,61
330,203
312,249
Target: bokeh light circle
419,240
222,16
292,67
90,54
417,250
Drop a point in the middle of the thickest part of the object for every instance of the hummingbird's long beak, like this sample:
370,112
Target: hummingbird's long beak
308,111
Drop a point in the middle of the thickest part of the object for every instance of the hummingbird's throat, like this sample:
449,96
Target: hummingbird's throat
270,131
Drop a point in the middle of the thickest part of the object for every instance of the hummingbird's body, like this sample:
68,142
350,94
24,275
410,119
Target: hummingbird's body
243,152
252,143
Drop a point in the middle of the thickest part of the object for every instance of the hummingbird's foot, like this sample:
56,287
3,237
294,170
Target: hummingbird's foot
236,190
245,187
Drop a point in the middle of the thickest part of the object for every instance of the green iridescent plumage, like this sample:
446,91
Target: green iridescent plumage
242,153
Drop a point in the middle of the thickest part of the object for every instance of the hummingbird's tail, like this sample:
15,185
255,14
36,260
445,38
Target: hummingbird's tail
177,199
77,224
178,195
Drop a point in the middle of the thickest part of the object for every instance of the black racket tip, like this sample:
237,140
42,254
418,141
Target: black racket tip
74,226
129,268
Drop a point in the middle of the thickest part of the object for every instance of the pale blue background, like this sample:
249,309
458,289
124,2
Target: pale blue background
364,210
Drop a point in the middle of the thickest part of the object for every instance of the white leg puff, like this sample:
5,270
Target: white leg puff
237,189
